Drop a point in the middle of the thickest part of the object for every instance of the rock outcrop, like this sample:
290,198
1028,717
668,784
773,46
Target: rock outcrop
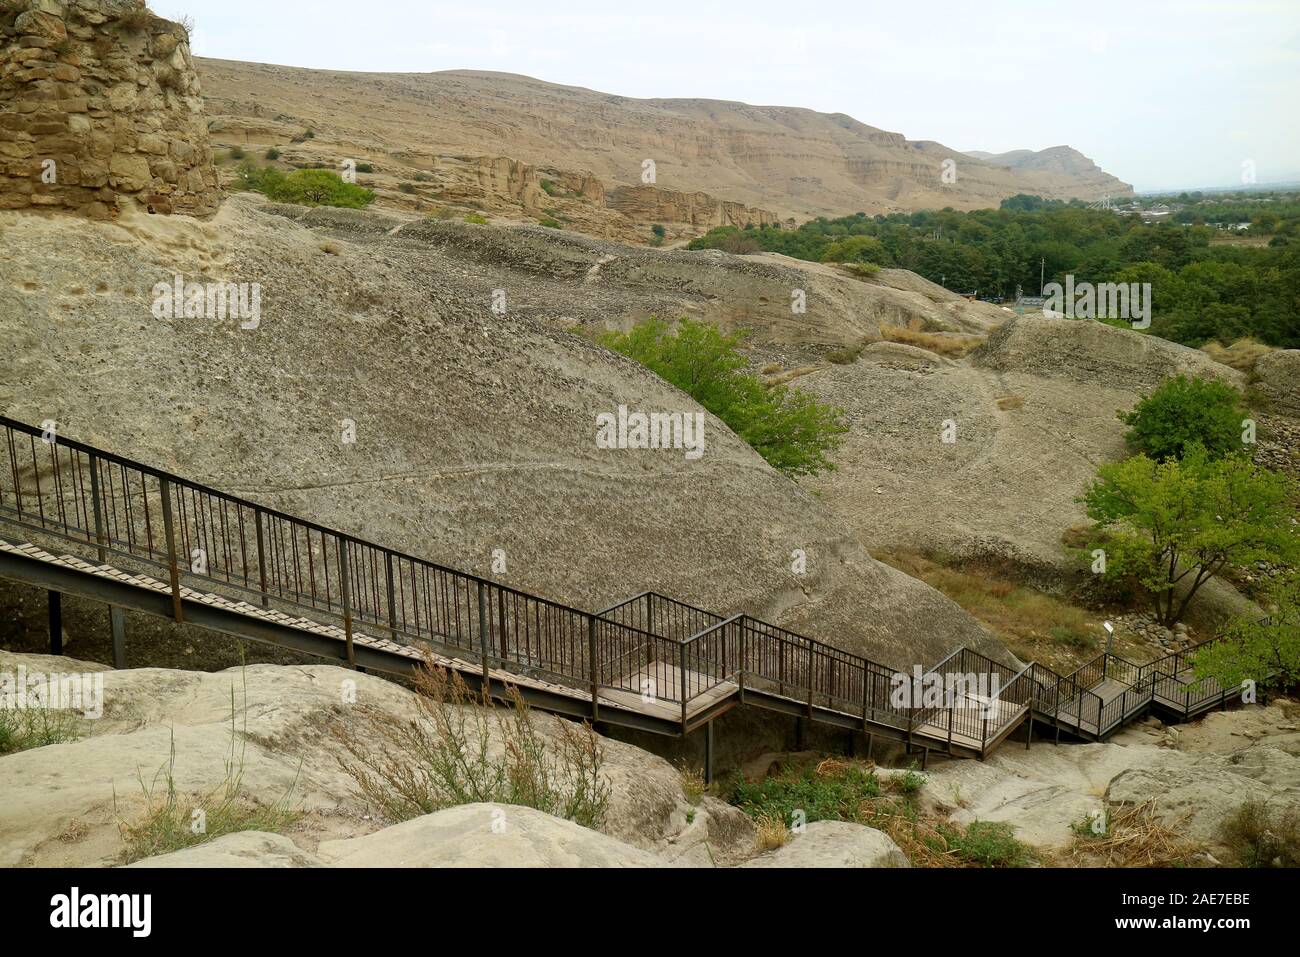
283,721
834,844
1277,378
1197,775
100,107
486,835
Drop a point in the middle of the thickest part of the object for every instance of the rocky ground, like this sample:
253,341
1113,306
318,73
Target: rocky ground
66,803
1198,775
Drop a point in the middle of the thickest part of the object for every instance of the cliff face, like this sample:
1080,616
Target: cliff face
782,160
100,106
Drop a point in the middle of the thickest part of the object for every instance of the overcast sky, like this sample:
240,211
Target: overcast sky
1161,94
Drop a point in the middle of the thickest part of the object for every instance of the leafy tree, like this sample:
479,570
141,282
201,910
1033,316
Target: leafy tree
1174,524
856,249
308,187
788,427
1266,651
1185,410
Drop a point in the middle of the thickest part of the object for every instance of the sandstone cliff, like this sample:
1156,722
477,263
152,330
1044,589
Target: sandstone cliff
779,162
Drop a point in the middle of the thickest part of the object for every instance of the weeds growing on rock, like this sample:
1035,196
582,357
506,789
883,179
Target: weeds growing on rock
24,728
445,756
692,782
1134,836
840,790
771,832
1261,836
174,821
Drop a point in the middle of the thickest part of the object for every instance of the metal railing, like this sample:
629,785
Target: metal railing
143,520
147,521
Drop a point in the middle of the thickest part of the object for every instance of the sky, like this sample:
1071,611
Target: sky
1164,95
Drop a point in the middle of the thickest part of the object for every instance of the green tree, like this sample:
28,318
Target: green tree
1265,651
1184,410
308,187
788,427
856,249
1172,525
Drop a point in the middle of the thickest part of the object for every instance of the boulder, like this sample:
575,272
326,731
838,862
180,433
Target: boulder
242,849
834,844
486,835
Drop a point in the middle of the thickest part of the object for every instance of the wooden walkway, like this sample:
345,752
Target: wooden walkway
188,552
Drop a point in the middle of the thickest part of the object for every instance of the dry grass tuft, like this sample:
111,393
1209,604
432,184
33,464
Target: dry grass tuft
953,345
1241,355
692,782
792,374
1135,836
447,756
771,833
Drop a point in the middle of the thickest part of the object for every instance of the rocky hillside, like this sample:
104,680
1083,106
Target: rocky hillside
474,430
1062,161
494,137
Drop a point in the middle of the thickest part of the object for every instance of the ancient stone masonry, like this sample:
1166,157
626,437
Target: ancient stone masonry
100,108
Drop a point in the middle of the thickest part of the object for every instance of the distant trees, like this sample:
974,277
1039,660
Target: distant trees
1202,290
793,431
856,249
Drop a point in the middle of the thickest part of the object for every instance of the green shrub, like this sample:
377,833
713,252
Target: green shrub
986,844
788,427
549,223
658,230
273,154
861,270
842,792
1184,410
1266,651
549,188
366,168
237,152
476,219
307,187
1260,836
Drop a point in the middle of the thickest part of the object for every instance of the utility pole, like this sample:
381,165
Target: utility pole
1042,266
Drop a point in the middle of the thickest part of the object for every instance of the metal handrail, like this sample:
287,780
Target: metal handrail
112,505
